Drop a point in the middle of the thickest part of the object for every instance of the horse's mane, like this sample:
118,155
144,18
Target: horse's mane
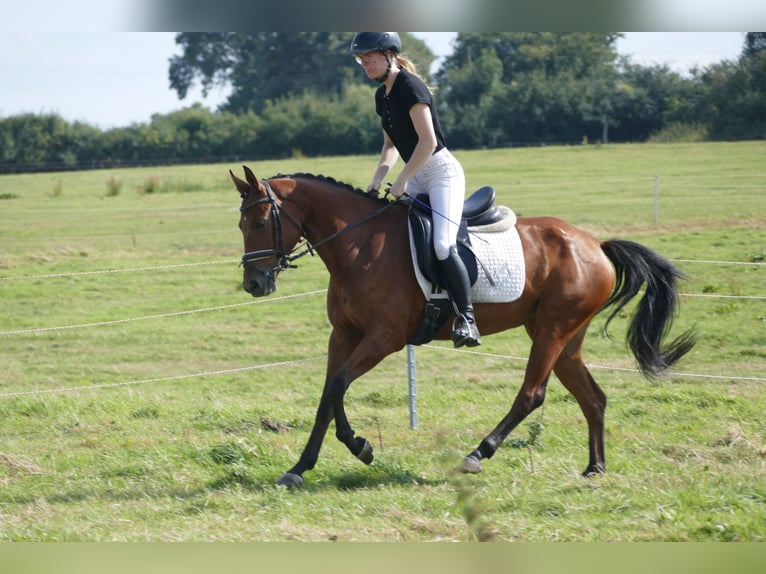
332,181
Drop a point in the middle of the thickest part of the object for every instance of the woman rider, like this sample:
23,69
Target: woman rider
411,130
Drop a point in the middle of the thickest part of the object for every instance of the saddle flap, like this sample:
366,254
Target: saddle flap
421,227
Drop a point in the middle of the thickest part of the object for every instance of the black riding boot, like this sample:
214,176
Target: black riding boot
464,329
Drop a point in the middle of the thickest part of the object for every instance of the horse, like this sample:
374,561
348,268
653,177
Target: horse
375,304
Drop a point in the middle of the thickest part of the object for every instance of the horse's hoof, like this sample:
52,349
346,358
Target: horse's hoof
470,465
290,480
365,454
594,470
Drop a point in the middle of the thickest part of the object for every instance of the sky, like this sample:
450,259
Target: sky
115,79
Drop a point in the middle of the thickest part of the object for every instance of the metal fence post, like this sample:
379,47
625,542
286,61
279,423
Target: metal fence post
413,392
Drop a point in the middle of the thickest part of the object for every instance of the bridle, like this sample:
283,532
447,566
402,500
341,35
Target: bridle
284,258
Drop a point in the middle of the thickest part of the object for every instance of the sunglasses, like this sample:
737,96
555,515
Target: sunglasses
366,57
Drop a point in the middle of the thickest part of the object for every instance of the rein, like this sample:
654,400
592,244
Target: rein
284,258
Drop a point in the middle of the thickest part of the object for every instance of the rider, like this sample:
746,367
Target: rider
411,129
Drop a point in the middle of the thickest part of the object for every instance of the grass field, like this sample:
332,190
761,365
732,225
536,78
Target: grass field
159,402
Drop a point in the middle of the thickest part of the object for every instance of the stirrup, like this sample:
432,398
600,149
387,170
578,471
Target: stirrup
465,333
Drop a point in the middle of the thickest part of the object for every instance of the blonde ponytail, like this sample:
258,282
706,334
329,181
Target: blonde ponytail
405,63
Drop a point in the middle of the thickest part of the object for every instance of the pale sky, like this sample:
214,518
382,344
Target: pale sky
114,79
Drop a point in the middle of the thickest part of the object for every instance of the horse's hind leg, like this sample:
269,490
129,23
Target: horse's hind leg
544,353
574,375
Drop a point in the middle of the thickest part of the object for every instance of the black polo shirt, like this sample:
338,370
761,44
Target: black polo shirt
394,111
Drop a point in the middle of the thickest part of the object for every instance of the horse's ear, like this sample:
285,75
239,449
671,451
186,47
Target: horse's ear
242,186
250,177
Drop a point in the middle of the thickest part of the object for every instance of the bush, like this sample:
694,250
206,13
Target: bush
113,187
151,185
677,132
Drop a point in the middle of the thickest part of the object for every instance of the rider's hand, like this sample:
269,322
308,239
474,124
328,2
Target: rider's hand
374,188
398,189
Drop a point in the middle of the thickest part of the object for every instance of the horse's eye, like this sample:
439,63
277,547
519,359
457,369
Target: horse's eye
260,223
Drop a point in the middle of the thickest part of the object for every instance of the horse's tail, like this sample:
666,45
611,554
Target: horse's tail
636,265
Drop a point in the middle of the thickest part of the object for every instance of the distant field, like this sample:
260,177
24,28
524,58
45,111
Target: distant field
140,386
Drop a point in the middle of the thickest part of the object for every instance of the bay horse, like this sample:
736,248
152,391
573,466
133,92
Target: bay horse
375,304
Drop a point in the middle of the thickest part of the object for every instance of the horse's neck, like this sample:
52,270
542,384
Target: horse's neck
327,212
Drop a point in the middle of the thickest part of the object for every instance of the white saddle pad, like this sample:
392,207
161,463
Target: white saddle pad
498,250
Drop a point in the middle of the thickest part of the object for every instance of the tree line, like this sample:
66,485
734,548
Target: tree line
294,94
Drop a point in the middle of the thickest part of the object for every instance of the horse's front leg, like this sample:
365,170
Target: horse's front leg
310,454
346,362
359,446
330,406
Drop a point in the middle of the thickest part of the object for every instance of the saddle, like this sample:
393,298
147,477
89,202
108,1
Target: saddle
478,209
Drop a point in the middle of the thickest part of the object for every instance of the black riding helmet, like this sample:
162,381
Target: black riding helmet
382,42
371,41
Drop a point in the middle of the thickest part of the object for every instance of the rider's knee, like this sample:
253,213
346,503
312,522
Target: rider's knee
442,248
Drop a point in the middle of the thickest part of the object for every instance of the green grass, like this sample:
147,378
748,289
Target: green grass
140,449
